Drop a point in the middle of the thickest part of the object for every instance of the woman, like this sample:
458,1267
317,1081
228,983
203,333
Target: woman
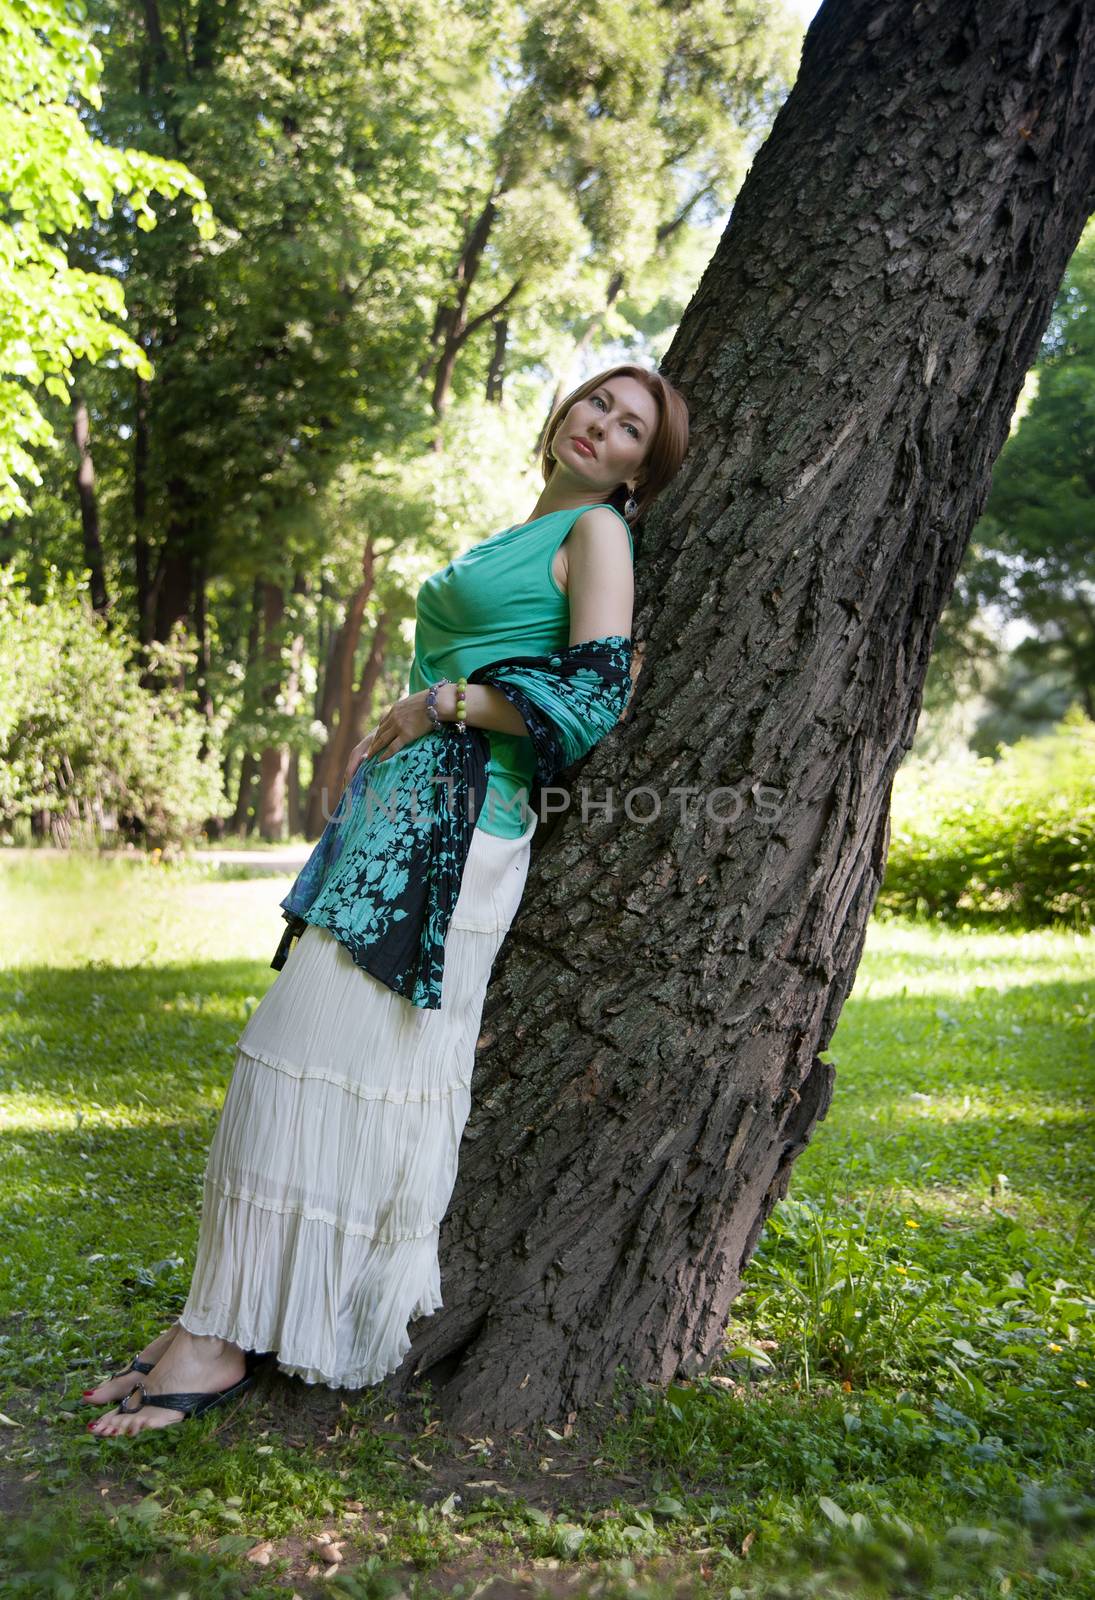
335,1155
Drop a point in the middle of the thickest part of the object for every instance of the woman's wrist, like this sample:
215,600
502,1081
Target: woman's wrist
486,707
446,702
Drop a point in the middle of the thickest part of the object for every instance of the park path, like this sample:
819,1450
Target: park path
280,859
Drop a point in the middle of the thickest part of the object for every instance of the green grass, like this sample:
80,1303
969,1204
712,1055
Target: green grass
905,1407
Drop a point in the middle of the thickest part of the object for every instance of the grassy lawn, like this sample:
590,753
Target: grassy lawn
906,1405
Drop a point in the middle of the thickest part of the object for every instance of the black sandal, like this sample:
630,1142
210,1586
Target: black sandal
191,1405
136,1365
254,1360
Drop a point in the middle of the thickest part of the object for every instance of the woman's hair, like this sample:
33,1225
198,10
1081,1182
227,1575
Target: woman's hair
666,449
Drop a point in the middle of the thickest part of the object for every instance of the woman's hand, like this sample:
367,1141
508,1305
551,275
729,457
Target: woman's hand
400,726
358,754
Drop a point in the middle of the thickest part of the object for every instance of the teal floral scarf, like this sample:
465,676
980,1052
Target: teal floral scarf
385,874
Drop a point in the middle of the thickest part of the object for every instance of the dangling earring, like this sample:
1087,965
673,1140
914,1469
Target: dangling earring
631,505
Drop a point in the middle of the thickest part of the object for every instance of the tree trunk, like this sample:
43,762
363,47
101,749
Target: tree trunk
292,786
142,550
337,706
241,817
281,693
496,370
89,505
203,692
246,794
353,728
172,591
451,324
649,1065
273,760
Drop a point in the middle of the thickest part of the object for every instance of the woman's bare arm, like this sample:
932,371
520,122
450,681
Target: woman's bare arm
600,578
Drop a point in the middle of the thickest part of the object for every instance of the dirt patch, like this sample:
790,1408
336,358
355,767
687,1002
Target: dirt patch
546,1472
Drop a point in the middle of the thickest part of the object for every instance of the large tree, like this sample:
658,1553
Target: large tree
650,1064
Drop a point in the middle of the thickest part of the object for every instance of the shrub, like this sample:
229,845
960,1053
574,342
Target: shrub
1010,840
81,740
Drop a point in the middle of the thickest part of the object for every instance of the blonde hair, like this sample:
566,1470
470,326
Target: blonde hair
667,447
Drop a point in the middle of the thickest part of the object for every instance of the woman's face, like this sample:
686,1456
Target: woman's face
603,439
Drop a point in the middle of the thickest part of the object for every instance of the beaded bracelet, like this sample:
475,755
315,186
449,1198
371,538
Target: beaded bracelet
431,700
462,705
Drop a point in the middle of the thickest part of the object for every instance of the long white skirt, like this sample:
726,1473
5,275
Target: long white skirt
335,1156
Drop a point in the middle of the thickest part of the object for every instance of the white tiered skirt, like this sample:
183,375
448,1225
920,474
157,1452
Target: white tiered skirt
335,1156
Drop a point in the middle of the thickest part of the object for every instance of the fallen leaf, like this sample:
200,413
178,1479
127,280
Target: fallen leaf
325,1549
260,1553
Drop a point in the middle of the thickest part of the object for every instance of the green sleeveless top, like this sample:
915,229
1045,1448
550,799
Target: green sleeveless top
498,599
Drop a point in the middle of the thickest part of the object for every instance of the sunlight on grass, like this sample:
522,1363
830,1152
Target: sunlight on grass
23,1114
924,959
127,914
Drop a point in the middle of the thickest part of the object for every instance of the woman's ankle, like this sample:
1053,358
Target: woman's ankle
209,1345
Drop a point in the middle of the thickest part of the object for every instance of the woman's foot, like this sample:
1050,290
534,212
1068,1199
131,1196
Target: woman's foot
192,1363
118,1388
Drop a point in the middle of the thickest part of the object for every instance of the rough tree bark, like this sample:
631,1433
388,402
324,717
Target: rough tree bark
649,1066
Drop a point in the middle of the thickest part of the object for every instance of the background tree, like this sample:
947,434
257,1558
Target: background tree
284,438
52,312
1032,554
624,125
651,1063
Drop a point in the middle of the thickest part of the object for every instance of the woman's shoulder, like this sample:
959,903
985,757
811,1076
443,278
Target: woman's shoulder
602,525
